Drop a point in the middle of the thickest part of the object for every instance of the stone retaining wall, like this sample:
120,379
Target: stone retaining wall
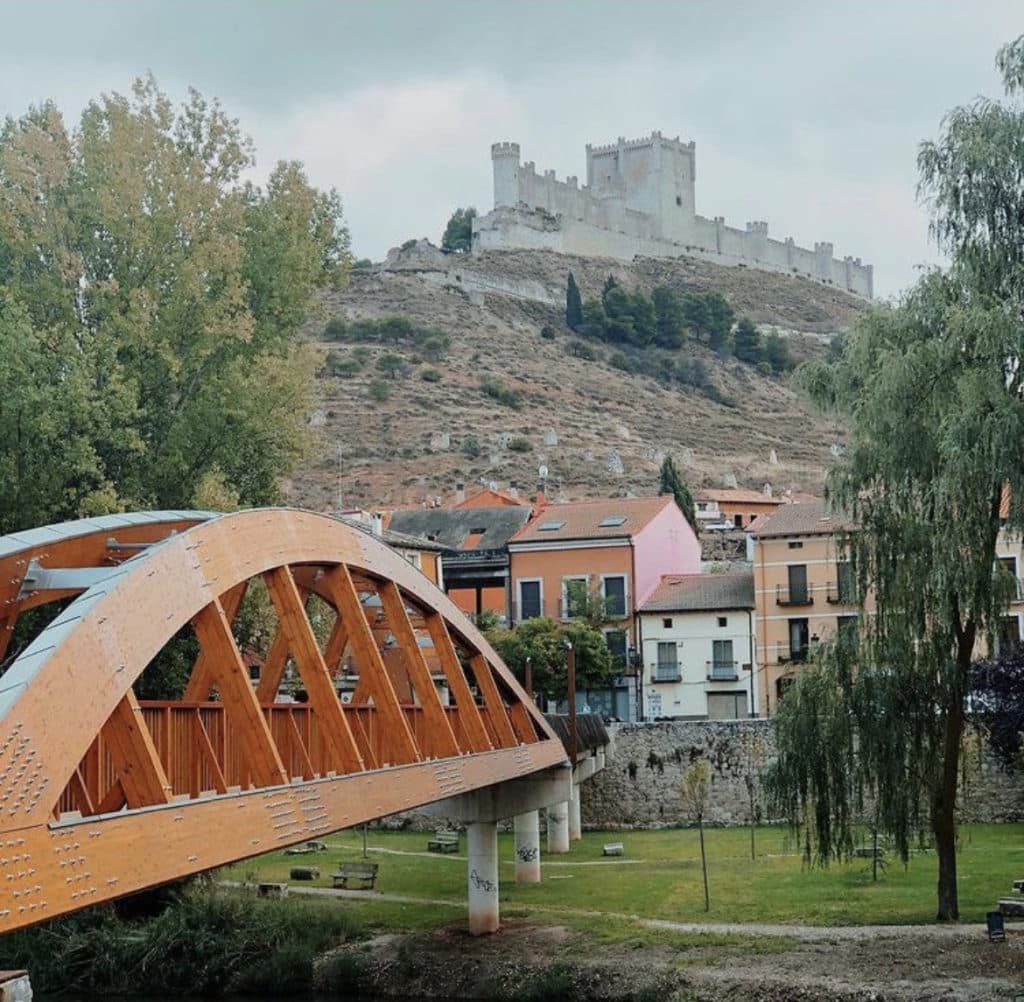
645,763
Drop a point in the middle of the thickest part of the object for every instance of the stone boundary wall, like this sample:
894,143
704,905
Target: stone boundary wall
639,786
508,228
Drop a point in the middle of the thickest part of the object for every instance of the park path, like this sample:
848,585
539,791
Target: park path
804,933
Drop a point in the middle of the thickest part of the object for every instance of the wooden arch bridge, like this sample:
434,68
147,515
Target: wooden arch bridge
103,794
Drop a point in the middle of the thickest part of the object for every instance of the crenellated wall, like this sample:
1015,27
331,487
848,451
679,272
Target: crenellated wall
640,200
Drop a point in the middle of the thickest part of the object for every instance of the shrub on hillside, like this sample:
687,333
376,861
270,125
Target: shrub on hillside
500,392
548,333
430,376
378,390
520,444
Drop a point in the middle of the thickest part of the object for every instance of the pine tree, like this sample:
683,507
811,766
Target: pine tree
573,304
747,345
672,483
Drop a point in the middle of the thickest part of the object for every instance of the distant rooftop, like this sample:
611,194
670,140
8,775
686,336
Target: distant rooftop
738,495
702,592
463,528
799,518
608,518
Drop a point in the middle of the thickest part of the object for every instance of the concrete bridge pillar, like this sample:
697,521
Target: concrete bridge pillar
558,827
575,823
483,877
527,837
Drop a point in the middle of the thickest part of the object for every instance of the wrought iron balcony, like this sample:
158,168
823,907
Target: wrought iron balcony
784,595
667,672
722,671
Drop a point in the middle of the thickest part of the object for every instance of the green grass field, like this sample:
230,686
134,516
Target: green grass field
659,877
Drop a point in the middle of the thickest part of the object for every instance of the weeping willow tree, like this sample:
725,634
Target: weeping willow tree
931,390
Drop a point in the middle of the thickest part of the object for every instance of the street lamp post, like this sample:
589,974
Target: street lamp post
570,673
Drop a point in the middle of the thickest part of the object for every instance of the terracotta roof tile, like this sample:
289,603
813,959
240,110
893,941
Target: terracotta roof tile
738,495
798,518
582,519
700,592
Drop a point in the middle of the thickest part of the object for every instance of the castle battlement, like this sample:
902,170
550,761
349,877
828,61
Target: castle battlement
640,199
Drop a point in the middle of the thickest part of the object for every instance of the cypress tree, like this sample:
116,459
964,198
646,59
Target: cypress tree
672,483
573,304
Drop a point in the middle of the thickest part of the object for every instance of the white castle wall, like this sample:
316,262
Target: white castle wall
640,201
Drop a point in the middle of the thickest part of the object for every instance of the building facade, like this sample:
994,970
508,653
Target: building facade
733,507
640,198
612,552
803,591
697,640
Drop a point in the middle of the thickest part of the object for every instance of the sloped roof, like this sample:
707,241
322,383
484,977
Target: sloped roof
451,527
582,519
738,495
392,537
702,592
798,518
488,497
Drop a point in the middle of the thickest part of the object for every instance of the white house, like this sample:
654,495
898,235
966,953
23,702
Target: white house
698,647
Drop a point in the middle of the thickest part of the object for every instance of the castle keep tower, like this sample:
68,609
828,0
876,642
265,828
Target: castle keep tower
640,199
505,160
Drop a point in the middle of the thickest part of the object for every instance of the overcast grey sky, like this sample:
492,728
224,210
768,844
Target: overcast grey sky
807,114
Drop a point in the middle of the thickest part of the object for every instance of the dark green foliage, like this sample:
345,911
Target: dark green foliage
520,444
378,390
543,641
458,234
709,316
776,353
580,349
430,376
502,393
670,481
205,942
471,447
362,264
391,331
391,364
668,309
548,333
337,364
747,344
573,304
997,688
619,361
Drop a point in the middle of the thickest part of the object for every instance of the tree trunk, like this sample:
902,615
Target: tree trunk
943,814
704,864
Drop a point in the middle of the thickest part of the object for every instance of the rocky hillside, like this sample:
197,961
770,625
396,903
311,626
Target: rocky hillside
598,430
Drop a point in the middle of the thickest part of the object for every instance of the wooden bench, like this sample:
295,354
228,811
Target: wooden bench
304,873
612,849
444,842
1018,886
1012,907
363,873
270,890
868,852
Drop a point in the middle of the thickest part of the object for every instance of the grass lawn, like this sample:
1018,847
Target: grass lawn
666,882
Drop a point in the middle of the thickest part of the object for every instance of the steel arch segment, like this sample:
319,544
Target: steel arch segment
61,692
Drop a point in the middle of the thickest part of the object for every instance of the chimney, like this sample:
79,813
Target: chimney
767,489
378,524
460,492
541,498
513,489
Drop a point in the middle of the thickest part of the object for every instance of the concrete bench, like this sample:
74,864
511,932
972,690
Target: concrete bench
271,890
304,873
365,874
302,850
444,842
1012,907
1018,886
868,852
612,849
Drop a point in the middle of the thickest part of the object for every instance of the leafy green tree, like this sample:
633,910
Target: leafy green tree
458,234
154,298
573,304
544,643
671,482
668,311
747,345
776,353
709,316
932,395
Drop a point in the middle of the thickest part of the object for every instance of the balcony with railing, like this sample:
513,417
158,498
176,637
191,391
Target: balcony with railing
722,671
785,595
840,593
783,654
666,671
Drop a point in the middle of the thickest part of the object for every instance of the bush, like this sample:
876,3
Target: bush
764,368
619,361
337,364
520,444
503,394
430,376
391,331
363,264
580,349
471,447
378,390
548,333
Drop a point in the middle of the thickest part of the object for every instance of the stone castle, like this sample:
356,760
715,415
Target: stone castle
639,200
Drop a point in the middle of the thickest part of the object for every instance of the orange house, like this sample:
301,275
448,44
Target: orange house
736,507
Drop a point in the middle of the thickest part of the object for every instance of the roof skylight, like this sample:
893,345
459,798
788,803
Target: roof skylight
611,520
549,526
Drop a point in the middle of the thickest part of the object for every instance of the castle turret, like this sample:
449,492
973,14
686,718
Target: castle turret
505,158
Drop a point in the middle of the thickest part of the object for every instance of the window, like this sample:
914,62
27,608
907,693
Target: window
530,599
667,667
616,641
1009,634
799,639
666,624
254,673
679,199
575,595
846,590
611,521
550,526
796,544
727,705
1009,564
737,521
722,663
723,620
613,591
798,594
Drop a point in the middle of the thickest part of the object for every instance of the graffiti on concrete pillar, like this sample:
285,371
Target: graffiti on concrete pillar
527,853
482,883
